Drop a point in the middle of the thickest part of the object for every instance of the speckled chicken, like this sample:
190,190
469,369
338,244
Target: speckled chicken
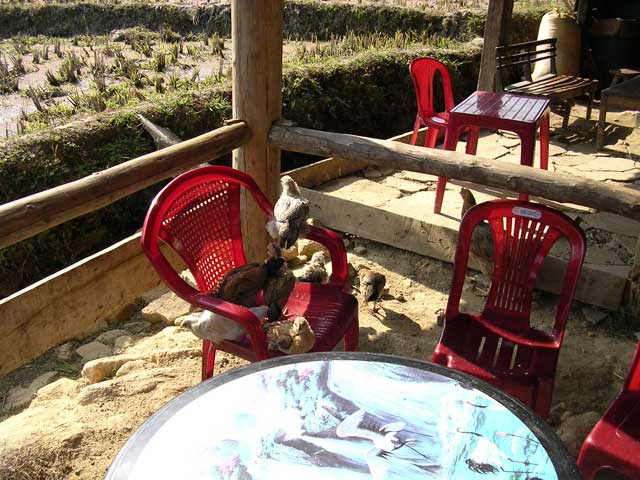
278,287
371,286
314,271
211,326
481,249
290,214
242,284
290,337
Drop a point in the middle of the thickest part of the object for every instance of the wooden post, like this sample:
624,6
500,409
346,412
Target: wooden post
495,34
256,31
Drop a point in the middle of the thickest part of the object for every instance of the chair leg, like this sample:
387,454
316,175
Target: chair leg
351,338
544,143
431,137
208,359
601,120
414,135
590,104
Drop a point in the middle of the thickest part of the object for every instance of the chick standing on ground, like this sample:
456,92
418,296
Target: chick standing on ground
290,337
211,326
290,214
481,249
278,286
242,284
371,286
314,271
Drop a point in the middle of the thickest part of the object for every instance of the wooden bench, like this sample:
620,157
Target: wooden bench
620,95
559,89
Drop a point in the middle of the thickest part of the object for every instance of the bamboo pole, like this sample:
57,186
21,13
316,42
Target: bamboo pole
256,31
517,178
28,216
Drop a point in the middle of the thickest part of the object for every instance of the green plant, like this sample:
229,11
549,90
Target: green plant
168,35
159,61
70,68
52,79
158,83
57,47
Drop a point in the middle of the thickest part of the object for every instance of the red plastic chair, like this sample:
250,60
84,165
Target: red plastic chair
198,215
423,71
614,443
499,345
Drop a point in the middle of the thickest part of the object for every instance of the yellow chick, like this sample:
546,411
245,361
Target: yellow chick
290,337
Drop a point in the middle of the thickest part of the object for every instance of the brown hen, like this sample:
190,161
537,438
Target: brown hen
371,286
278,287
242,284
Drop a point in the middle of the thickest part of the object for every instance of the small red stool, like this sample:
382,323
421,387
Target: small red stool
520,114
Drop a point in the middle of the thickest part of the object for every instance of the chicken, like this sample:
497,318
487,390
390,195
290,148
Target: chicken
371,286
314,271
278,287
290,337
211,326
242,284
481,250
290,214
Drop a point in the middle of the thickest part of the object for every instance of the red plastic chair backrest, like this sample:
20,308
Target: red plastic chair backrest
198,215
423,71
523,234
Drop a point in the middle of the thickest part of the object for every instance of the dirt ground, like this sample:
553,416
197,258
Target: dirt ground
73,428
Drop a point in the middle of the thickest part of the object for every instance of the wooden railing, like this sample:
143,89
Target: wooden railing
28,216
516,178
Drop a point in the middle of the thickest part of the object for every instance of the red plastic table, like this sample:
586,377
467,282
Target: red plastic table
520,114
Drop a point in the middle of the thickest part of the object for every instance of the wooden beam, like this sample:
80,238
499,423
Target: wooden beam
496,30
517,178
330,168
28,216
69,303
256,31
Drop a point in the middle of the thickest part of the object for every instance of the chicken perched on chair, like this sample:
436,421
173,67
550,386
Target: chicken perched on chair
290,337
290,214
241,285
371,286
278,286
314,271
482,248
211,326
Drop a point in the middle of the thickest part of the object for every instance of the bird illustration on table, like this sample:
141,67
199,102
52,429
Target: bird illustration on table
371,286
290,214
278,286
314,271
290,337
212,326
482,247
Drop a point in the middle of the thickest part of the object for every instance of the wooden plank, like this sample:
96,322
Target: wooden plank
600,287
71,302
551,185
331,168
36,213
495,35
256,31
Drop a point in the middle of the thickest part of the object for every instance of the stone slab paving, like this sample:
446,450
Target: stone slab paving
611,238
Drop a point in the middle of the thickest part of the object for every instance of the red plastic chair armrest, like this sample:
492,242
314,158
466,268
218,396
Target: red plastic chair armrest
518,339
333,242
229,310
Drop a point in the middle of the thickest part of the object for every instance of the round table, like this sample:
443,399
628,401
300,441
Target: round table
343,415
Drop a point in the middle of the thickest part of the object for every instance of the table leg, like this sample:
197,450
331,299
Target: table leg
544,143
527,152
450,141
472,140
601,120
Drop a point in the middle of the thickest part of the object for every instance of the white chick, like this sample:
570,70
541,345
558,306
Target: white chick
314,271
290,214
211,326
